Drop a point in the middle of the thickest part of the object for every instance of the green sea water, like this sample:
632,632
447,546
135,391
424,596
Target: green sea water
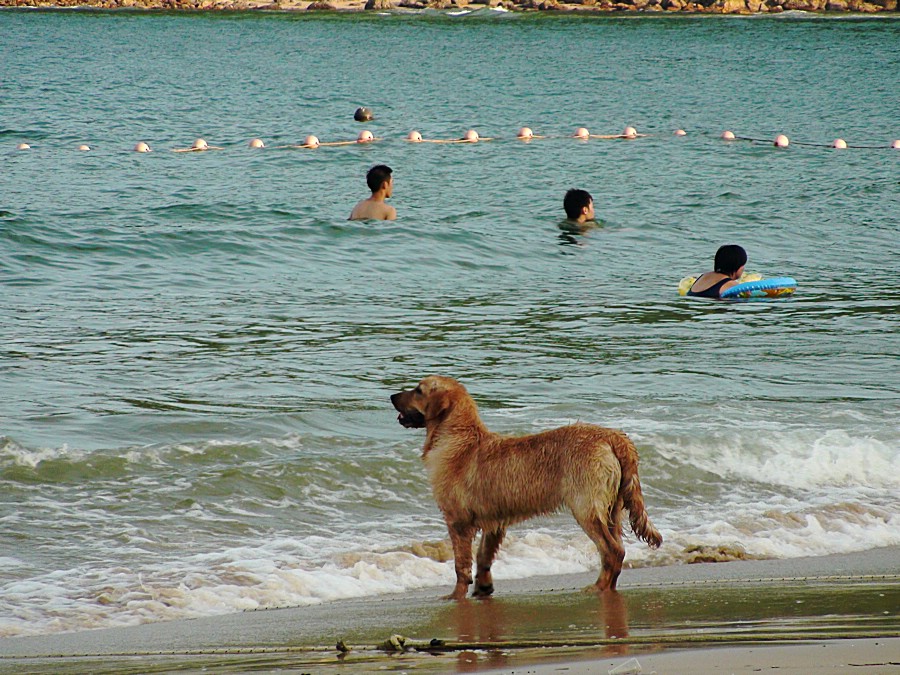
197,349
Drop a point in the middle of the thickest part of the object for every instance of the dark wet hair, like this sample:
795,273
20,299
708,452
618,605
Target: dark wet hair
377,176
363,115
730,258
576,200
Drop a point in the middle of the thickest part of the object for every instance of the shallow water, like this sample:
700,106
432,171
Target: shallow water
198,349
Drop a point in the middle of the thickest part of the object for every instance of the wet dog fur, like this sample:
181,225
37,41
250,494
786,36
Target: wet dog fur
487,481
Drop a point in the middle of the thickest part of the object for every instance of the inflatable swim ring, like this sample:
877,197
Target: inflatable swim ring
777,287
752,286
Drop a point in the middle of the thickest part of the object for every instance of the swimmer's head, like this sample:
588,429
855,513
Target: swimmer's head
730,258
23,146
200,144
630,132
839,143
84,148
363,115
256,143
727,135
680,132
311,141
581,132
377,176
781,141
525,133
414,137
365,137
142,147
471,135
578,203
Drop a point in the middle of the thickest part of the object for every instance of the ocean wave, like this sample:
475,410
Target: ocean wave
284,571
801,458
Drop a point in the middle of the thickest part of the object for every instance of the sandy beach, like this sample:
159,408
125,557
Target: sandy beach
811,615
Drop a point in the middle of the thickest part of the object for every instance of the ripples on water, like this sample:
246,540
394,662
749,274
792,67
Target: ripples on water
198,348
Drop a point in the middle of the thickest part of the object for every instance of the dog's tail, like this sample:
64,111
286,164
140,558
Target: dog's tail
630,491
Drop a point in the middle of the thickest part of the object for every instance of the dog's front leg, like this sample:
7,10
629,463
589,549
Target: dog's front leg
461,536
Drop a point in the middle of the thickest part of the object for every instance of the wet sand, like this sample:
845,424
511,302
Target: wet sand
810,615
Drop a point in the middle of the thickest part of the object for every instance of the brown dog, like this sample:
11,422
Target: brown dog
486,481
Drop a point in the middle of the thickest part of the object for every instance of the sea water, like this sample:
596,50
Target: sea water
197,349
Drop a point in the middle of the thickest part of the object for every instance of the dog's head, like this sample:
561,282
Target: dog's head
429,402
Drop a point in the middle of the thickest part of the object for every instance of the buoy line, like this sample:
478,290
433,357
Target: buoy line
525,135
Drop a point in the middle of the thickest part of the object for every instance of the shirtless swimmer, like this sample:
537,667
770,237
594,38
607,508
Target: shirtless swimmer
381,183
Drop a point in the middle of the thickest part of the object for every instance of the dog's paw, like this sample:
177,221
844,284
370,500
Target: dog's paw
483,591
457,594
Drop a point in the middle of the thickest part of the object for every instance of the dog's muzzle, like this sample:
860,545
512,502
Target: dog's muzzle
408,417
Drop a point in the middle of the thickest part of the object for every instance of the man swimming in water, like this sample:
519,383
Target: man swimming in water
381,183
579,206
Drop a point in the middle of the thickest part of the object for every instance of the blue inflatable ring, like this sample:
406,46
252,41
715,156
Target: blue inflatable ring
776,287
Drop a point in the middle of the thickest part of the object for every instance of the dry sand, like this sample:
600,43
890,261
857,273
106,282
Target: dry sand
833,614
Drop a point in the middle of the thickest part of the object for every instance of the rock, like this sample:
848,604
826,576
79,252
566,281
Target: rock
320,6
804,5
379,4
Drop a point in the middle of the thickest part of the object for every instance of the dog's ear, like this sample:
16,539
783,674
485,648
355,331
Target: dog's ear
438,402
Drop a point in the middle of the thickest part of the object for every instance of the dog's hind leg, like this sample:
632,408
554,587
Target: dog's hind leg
461,536
487,551
605,533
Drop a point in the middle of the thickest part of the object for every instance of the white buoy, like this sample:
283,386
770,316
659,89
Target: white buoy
727,136
414,136
142,147
311,141
581,132
525,133
839,143
365,137
782,141
256,143
680,132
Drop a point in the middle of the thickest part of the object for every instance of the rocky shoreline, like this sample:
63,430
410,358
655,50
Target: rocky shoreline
571,6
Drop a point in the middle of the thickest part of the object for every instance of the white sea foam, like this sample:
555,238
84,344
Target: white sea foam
801,458
295,572
12,451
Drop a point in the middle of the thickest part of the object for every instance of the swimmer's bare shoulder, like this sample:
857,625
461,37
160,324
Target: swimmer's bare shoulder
368,209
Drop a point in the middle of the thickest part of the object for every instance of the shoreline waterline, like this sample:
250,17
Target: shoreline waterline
529,621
